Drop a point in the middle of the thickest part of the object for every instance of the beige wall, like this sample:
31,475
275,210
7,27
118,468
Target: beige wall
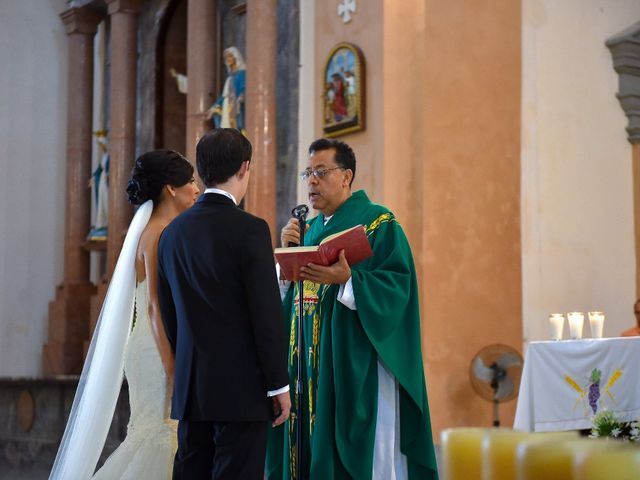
636,211
442,149
365,30
33,108
471,220
577,193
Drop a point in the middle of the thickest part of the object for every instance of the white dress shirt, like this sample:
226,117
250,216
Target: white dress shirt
221,192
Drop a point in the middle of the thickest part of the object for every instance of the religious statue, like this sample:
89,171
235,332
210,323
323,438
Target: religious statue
181,80
99,183
228,110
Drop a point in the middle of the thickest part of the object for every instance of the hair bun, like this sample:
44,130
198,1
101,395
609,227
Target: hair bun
155,169
138,189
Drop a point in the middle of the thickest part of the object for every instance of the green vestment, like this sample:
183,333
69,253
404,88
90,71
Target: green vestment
342,348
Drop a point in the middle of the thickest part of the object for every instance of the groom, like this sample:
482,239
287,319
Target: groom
220,304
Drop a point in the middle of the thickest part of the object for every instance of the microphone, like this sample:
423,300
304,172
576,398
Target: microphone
300,212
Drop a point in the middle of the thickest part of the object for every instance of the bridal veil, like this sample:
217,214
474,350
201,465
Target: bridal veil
102,374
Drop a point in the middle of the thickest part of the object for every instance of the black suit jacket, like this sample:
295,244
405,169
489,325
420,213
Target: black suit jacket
221,308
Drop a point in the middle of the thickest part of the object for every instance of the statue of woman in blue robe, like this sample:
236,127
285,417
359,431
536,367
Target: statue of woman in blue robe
228,109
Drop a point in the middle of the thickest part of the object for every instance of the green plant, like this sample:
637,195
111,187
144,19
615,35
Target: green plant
606,424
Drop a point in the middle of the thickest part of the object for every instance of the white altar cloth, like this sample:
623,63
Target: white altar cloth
558,377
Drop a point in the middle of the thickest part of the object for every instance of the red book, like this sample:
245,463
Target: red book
353,241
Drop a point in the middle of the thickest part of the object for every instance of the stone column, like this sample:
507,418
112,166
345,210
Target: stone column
635,159
122,131
625,50
202,62
262,35
69,311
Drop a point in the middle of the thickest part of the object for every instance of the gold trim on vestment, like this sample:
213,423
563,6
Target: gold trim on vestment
384,218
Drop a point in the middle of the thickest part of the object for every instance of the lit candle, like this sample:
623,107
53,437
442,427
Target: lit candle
556,322
576,320
621,462
596,322
462,453
500,447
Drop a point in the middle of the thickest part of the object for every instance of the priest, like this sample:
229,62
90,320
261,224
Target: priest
364,403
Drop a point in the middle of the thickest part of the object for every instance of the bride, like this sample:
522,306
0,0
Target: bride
130,339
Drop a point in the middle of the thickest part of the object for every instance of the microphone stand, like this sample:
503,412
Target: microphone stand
300,212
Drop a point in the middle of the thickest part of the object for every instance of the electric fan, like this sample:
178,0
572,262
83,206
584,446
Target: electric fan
495,375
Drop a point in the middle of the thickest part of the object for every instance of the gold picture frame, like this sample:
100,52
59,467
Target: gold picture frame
343,92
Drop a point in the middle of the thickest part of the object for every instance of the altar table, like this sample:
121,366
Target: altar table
565,382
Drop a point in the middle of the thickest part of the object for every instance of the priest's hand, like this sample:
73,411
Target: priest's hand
338,273
291,233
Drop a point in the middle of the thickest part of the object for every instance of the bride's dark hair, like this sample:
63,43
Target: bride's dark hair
155,169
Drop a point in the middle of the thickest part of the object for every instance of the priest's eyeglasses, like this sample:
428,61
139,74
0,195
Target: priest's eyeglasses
317,173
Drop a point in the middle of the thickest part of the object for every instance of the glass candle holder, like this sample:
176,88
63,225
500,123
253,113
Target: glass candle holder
596,322
576,321
556,324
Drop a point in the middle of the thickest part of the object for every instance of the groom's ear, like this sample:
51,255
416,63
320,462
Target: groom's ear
244,168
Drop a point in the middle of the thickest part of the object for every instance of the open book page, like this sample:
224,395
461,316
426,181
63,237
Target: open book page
335,235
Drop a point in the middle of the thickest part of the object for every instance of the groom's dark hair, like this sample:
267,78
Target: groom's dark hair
219,155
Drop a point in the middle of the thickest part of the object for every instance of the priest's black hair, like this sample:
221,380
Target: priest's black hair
344,154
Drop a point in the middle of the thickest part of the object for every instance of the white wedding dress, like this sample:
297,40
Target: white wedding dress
148,450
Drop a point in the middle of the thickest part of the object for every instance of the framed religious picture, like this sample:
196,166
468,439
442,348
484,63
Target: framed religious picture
343,96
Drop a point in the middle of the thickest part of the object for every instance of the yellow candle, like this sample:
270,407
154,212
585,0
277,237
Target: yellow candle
500,446
462,453
553,460
619,463
499,453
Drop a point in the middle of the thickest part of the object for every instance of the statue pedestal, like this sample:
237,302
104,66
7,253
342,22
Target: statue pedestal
68,330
